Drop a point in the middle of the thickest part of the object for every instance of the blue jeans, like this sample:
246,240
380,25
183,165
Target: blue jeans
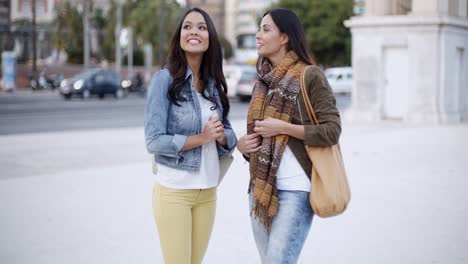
289,228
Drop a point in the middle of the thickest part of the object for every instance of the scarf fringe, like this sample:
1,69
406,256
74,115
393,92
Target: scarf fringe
260,212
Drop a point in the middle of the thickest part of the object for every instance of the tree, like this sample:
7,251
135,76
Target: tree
142,17
227,47
328,38
68,31
99,22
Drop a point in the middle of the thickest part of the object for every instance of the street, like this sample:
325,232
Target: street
33,112
84,195
28,112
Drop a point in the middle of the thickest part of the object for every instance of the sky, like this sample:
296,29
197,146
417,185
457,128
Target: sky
181,2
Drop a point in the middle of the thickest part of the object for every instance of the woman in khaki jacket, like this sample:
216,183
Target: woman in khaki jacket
278,127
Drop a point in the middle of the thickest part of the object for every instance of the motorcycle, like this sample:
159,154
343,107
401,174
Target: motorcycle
44,83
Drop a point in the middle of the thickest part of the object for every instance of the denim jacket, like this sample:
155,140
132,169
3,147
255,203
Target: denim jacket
167,125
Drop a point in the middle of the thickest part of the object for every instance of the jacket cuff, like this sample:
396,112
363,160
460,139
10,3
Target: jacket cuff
178,141
231,142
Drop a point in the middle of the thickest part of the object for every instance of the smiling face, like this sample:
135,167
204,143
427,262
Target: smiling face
271,43
194,36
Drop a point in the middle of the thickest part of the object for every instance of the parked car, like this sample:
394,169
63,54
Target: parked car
93,82
340,79
232,74
247,80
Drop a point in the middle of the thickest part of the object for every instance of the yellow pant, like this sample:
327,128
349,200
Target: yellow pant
184,219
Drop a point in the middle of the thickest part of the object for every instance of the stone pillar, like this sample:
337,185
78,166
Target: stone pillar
378,7
429,7
457,8
463,8
453,8
401,7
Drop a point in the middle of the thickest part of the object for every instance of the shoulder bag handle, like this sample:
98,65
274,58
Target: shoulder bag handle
305,95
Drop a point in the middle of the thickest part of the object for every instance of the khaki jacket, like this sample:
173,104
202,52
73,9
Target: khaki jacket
327,133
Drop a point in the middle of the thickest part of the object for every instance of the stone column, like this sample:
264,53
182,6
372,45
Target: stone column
440,7
378,7
463,8
429,7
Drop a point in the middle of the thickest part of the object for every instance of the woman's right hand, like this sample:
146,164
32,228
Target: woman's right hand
249,143
213,129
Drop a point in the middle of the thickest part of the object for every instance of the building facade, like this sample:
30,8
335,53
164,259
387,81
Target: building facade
22,9
236,20
410,61
246,15
216,10
233,18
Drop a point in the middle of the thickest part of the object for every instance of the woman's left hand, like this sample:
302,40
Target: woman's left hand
222,139
270,127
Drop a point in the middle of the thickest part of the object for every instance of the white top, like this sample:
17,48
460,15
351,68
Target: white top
290,175
207,176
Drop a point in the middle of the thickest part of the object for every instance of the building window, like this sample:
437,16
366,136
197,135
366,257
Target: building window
25,8
40,9
246,41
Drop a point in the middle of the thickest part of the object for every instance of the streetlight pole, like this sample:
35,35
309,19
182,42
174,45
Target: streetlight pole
118,28
161,33
34,67
86,34
130,54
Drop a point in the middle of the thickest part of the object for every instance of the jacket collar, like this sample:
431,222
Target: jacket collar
188,74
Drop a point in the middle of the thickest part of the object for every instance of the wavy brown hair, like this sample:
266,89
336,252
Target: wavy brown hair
211,65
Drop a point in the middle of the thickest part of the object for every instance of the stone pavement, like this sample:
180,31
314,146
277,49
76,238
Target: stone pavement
85,197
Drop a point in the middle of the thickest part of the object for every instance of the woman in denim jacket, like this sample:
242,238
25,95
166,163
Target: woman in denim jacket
187,131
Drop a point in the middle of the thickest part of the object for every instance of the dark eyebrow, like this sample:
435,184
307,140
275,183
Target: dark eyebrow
190,22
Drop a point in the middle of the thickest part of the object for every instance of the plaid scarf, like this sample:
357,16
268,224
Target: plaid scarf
284,83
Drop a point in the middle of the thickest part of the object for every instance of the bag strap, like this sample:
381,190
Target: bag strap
305,95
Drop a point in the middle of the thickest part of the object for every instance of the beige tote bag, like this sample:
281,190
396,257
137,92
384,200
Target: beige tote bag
329,191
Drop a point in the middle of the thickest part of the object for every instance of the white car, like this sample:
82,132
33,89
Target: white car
246,83
340,79
232,74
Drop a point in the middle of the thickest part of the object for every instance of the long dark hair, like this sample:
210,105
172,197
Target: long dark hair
289,24
211,65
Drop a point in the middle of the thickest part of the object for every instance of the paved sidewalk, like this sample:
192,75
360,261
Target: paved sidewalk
85,197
